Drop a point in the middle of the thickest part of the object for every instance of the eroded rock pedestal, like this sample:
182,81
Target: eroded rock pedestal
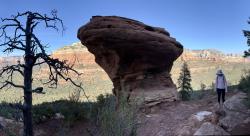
137,57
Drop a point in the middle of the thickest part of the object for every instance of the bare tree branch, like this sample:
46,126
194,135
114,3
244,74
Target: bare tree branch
24,39
7,83
13,68
57,69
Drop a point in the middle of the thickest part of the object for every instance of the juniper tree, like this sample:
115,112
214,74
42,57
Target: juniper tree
184,82
17,34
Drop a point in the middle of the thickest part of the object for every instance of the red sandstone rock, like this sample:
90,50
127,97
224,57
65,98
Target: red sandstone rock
137,57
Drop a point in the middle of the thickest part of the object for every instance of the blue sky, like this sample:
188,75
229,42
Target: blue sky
197,24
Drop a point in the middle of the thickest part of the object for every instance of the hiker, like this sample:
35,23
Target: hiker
220,85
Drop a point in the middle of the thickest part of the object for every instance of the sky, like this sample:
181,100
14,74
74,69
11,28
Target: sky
196,24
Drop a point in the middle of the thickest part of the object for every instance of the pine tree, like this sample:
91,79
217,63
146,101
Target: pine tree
184,82
247,35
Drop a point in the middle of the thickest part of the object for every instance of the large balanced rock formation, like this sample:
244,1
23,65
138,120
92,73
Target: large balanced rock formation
138,58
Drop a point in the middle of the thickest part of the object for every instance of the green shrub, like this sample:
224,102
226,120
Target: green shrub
75,95
104,113
115,122
203,86
71,110
7,111
244,85
42,112
197,95
184,95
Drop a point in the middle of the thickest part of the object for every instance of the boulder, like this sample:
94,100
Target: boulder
235,112
137,57
209,129
202,114
184,131
7,125
4,122
194,123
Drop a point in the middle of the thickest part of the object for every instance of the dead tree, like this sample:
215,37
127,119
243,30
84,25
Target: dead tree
23,38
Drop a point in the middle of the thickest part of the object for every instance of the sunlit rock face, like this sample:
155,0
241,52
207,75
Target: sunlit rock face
75,54
137,57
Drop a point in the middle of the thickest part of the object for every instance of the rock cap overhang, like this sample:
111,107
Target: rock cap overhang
137,57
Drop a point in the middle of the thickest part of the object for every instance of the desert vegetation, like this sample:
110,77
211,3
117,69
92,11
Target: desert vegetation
244,86
102,114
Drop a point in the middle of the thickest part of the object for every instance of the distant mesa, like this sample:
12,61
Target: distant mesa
137,57
79,55
4,61
212,55
76,54
72,52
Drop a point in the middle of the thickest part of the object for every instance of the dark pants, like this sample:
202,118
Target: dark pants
221,93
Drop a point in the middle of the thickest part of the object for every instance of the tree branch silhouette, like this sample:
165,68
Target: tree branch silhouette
24,39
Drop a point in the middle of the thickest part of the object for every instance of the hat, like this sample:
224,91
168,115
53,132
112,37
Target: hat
219,72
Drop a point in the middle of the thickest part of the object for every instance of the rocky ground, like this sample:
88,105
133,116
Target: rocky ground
198,117
52,127
195,117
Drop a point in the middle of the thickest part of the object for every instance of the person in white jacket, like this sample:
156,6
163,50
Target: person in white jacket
220,85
